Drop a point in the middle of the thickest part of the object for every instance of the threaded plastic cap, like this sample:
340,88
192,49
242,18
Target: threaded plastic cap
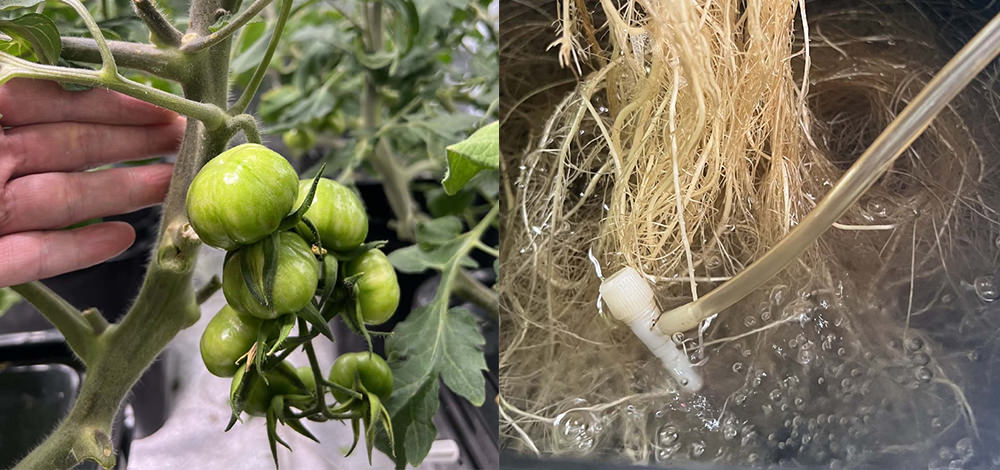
628,295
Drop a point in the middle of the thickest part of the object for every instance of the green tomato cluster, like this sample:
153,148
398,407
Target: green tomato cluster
245,201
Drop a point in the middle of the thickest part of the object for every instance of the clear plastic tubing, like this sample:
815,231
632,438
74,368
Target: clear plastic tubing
955,75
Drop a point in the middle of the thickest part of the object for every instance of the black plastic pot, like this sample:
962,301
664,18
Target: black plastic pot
38,384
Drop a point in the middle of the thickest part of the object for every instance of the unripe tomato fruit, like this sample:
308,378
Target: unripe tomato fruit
299,139
336,212
294,282
372,370
306,376
258,394
378,288
241,196
228,336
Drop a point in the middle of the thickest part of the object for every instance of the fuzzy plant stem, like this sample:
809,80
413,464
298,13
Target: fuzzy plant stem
165,304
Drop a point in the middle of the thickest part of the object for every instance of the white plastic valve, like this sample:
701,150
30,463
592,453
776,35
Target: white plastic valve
630,299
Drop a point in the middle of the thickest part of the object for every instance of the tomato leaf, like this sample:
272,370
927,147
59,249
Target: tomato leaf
481,151
39,32
434,342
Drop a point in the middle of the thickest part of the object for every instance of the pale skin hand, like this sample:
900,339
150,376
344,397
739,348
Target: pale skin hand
48,136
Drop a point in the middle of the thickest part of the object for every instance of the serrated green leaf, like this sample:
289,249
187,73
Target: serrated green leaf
481,151
39,32
434,341
414,259
436,232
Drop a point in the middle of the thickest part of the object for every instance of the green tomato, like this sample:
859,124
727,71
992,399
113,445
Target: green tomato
241,196
378,288
299,139
372,370
294,282
228,336
258,394
306,376
336,212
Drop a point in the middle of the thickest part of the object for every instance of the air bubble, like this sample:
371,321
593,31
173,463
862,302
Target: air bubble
667,435
986,288
923,374
697,448
578,430
805,356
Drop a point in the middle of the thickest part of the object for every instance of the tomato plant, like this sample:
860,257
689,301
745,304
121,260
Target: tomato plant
394,91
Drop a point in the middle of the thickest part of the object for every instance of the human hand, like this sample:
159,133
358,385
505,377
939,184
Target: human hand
51,135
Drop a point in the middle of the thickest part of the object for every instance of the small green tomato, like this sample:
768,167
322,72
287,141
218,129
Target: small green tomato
301,140
336,212
372,371
258,394
294,282
228,336
241,196
378,288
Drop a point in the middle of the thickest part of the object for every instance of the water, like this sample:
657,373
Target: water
842,388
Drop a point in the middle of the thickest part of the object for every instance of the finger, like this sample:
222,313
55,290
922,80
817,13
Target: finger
25,101
29,256
55,200
70,146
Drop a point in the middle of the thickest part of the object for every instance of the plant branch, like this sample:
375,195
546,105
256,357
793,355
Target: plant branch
159,26
164,63
108,66
469,288
258,74
212,115
66,318
199,43
206,291
245,123
394,179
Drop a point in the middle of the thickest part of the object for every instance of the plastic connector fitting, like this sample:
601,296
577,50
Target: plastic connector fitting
630,299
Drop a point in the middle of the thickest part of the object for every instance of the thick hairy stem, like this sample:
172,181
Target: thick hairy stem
159,26
166,302
164,63
81,338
